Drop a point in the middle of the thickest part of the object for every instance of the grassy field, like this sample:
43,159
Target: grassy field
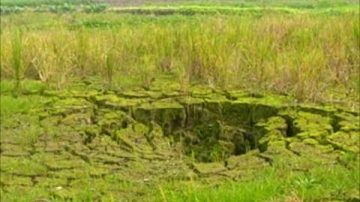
235,100
243,3
40,2
282,3
272,51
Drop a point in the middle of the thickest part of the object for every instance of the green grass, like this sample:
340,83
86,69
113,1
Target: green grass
230,10
55,6
183,7
12,100
32,3
301,4
240,3
273,184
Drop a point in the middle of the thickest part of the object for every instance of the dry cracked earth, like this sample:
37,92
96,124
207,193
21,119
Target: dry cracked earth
127,142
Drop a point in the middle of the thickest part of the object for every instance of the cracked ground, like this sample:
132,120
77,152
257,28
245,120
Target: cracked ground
126,143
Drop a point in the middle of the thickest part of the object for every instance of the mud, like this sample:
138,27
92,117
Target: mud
127,142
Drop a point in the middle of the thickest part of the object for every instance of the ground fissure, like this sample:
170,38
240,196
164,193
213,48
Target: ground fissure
137,139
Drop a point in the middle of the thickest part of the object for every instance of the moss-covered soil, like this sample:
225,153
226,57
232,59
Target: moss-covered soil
125,143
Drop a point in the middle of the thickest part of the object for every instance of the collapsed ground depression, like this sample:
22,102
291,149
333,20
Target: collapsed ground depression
99,139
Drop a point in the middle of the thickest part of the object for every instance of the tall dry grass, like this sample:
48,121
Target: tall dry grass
304,55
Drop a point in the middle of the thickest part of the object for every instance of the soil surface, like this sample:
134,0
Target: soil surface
127,142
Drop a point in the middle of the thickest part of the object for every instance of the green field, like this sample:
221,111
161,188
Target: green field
40,2
180,101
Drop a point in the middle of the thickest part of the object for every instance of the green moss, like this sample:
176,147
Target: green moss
79,118
236,94
10,180
105,141
121,136
214,103
165,83
168,114
318,135
51,182
188,101
317,109
347,141
247,111
237,113
161,104
347,122
83,93
200,91
311,141
138,93
276,151
313,154
22,166
113,101
209,168
278,143
70,105
59,163
214,141
14,150
134,138
308,125
275,123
